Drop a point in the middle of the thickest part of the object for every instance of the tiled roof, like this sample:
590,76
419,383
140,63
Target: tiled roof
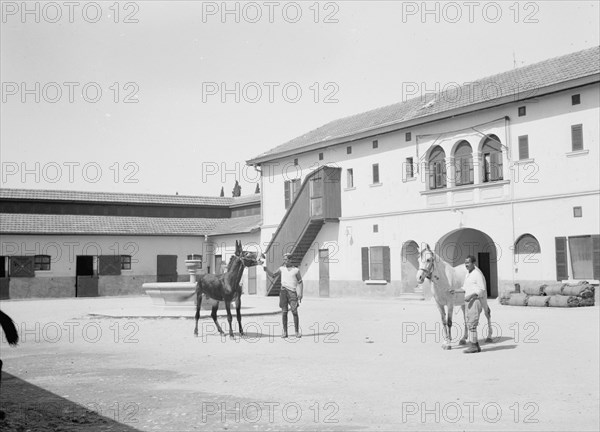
18,223
519,83
238,225
134,198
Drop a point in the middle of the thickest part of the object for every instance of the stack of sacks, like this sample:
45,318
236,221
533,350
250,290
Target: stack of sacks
554,295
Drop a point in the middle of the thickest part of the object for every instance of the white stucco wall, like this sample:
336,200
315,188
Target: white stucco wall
535,197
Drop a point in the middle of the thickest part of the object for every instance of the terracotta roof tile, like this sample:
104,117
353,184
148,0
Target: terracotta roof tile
115,197
520,83
18,223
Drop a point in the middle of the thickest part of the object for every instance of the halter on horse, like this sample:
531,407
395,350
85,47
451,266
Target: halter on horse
445,279
226,287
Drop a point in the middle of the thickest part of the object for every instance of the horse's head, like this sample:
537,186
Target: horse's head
426,263
248,259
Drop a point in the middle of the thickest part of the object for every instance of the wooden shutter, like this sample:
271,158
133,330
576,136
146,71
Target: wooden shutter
286,193
22,266
109,264
523,147
387,273
365,263
577,137
458,171
470,168
496,166
596,256
562,271
443,171
375,173
431,175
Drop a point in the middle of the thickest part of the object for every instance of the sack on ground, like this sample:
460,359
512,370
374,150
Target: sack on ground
540,301
563,301
553,289
534,291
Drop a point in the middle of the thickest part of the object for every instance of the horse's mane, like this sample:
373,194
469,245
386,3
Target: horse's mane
230,263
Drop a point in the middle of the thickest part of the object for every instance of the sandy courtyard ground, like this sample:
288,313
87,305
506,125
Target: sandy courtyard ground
362,364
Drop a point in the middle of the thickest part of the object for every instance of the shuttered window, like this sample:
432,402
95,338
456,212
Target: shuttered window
290,190
577,137
492,160
437,168
523,147
109,265
410,172
375,173
596,256
561,258
376,263
22,266
463,164
350,178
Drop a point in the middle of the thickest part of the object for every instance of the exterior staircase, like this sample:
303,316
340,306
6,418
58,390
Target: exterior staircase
318,201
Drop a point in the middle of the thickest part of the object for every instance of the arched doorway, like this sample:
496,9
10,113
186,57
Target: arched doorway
455,246
409,266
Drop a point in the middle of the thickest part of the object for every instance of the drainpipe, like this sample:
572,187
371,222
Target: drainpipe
512,192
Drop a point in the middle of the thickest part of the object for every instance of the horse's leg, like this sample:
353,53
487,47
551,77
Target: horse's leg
450,314
213,314
229,318
463,341
488,314
198,304
446,344
238,312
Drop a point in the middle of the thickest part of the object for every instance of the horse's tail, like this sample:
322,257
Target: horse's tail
12,336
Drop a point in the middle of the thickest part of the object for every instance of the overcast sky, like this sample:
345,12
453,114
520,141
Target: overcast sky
141,96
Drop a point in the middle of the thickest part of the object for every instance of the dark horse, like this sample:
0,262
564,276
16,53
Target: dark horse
8,326
225,287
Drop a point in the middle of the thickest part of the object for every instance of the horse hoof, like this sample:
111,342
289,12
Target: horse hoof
462,342
446,347
489,340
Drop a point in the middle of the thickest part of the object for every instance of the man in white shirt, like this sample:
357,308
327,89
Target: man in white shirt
475,295
291,292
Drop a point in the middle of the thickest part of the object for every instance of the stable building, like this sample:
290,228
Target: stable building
505,169
73,244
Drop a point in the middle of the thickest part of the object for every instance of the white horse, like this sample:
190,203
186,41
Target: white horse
445,279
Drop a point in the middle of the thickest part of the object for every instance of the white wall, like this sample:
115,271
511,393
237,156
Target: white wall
536,197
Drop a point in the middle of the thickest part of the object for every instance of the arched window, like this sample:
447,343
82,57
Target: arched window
463,163
491,152
437,168
527,244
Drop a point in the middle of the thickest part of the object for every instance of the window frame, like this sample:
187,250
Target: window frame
577,137
125,262
523,141
375,174
290,191
42,263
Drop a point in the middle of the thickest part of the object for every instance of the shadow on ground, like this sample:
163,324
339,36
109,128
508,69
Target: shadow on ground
31,408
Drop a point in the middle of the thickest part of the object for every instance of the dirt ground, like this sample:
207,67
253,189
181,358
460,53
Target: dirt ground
362,364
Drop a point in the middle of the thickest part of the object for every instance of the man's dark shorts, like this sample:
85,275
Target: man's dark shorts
288,297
